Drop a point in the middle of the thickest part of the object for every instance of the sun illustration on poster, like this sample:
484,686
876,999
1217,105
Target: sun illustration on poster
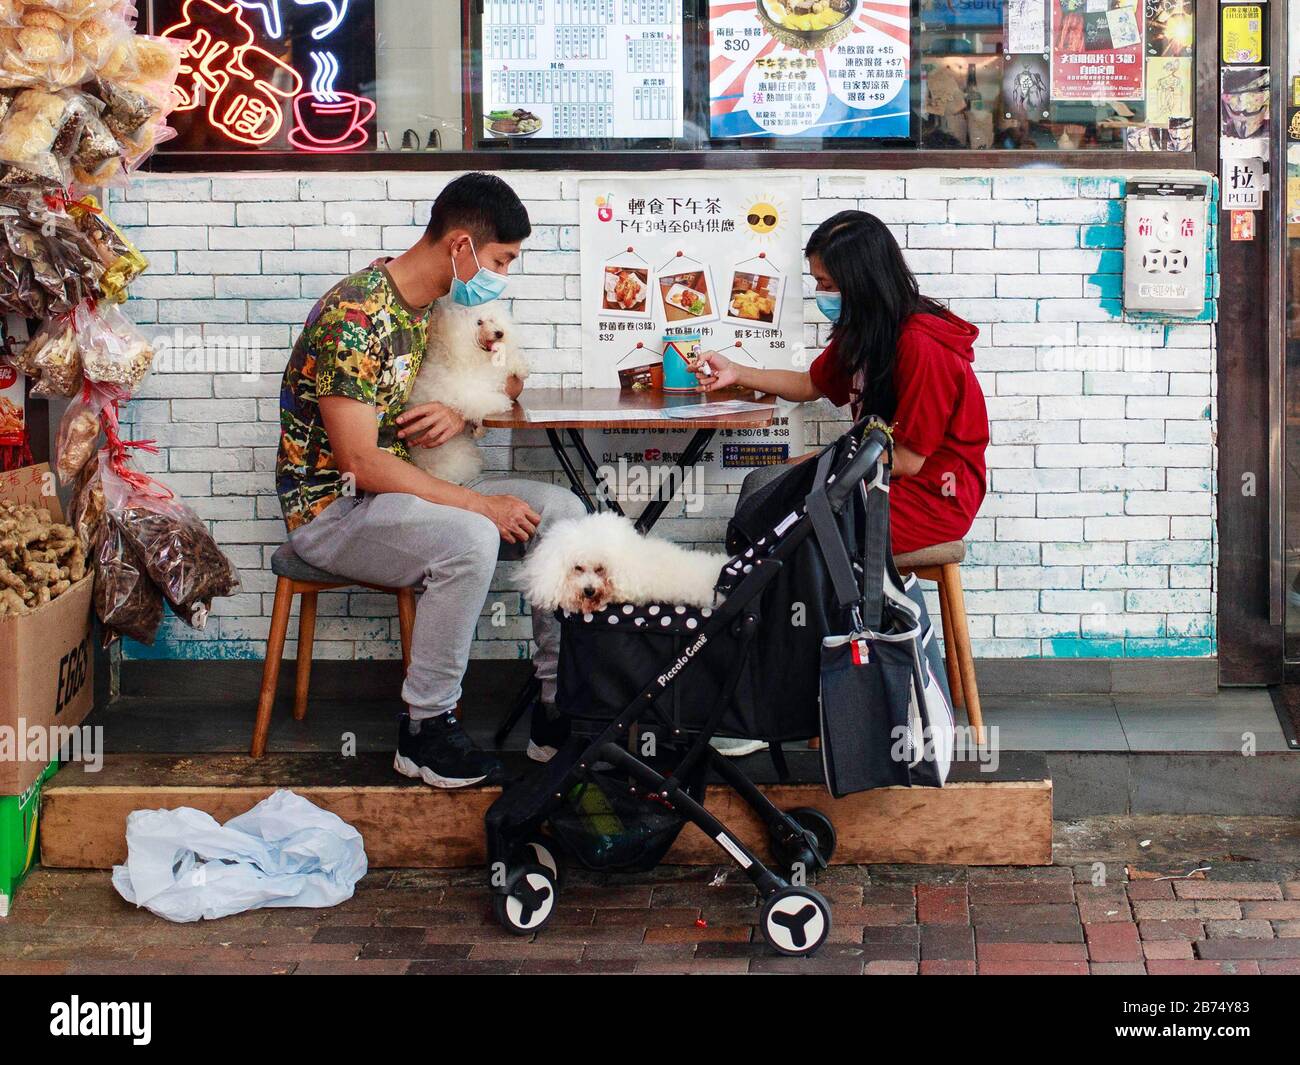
763,216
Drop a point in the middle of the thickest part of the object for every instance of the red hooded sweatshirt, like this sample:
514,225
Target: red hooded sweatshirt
940,415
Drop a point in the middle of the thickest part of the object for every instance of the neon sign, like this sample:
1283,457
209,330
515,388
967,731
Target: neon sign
244,80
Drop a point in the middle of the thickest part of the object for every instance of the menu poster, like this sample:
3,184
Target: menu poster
1097,49
809,68
720,259
582,69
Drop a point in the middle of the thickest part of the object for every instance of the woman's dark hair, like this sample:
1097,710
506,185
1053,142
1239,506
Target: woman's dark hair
483,204
878,293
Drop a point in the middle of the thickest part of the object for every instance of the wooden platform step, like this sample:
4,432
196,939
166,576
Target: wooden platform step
980,818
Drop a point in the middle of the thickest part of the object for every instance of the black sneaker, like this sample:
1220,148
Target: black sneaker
547,732
442,755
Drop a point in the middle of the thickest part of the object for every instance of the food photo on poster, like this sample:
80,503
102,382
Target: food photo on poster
809,68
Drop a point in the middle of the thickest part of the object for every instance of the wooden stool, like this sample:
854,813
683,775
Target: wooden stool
942,564
296,577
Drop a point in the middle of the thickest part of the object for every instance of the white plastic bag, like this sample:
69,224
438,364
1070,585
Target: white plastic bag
182,865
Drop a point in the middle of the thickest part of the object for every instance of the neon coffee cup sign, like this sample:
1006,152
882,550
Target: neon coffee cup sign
271,73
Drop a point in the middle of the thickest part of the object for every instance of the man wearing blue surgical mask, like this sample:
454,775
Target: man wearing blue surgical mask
356,506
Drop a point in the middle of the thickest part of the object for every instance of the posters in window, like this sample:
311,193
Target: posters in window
1097,49
590,69
1026,31
1025,95
1171,27
1169,89
809,68
720,259
1244,113
1242,34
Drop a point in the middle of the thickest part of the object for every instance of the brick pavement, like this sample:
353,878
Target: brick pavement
888,920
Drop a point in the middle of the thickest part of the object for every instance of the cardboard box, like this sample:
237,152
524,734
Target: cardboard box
46,665
20,818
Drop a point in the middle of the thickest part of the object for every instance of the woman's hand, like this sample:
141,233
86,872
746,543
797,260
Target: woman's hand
725,372
429,424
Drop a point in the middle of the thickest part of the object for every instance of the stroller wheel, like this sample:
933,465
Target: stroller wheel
541,850
796,921
528,901
816,822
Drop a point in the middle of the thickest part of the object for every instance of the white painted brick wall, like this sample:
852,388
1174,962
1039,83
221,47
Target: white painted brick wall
1097,537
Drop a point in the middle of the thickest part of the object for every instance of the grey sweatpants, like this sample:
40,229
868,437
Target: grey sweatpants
400,540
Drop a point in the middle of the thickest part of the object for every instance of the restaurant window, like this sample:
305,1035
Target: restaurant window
530,76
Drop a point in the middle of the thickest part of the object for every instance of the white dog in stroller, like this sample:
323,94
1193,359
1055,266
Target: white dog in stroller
584,564
471,354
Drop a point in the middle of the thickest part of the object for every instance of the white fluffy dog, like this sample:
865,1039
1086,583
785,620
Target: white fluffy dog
582,564
471,352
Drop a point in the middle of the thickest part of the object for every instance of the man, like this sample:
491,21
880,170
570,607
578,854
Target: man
357,506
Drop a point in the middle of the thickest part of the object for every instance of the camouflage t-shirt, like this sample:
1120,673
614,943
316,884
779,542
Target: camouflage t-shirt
363,342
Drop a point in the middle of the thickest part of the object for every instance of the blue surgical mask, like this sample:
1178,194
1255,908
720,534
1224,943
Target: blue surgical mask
829,303
483,287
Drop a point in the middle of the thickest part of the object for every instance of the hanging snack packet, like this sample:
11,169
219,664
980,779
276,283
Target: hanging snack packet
126,600
171,542
27,135
54,356
36,49
113,350
80,427
86,507
121,259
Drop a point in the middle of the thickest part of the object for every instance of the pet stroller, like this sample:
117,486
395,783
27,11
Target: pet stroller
647,687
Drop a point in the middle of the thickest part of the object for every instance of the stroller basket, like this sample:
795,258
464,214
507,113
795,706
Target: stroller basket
605,826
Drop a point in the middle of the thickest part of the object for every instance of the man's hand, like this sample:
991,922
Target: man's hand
514,518
429,424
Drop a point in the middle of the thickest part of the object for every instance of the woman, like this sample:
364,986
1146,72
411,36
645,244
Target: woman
896,354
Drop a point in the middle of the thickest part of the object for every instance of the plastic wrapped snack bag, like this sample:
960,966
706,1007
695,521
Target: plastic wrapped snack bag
33,123
54,357
36,48
86,507
126,601
121,259
184,866
171,542
79,429
113,350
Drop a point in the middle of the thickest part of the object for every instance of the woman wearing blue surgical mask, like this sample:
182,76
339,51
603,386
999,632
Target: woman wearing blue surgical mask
896,354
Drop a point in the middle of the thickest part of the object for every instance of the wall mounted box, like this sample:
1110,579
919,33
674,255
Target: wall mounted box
1165,227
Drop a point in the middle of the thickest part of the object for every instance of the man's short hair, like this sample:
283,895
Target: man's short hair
484,205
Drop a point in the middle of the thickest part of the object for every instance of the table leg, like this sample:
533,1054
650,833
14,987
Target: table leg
691,456
602,490
566,463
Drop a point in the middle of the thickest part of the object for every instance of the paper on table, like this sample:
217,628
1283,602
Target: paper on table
709,410
615,415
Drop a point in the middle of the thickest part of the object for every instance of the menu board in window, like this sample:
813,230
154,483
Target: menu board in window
588,69
809,68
